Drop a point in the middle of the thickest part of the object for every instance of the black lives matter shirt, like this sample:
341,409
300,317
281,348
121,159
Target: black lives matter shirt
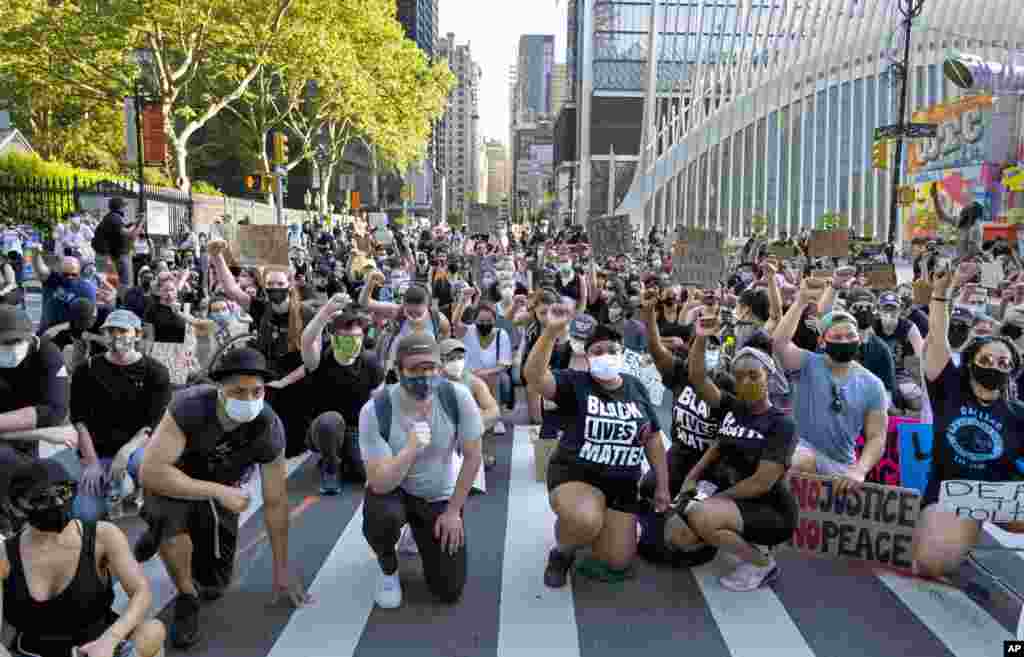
745,439
973,442
694,422
611,427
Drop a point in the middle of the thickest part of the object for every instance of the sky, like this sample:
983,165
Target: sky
492,28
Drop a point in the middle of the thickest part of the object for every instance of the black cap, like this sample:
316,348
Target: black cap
246,362
37,475
15,324
603,333
418,348
416,295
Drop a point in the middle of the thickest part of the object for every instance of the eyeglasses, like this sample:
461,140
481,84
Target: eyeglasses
838,401
1003,364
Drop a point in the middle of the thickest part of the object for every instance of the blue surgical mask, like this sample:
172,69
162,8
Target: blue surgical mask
241,410
711,359
419,387
221,318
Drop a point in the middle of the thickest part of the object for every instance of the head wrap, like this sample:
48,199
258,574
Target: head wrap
777,382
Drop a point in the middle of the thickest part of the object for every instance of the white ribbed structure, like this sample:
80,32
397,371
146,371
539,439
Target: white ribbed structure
747,150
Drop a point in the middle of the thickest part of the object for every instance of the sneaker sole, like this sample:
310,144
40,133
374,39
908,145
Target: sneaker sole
388,606
768,579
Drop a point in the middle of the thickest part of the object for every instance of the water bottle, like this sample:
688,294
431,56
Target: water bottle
115,498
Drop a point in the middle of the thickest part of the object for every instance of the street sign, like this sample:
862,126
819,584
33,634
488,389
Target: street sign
910,131
887,132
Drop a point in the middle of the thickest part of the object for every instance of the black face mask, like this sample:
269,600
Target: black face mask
484,328
277,295
1012,332
53,519
865,319
842,352
958,334
146,283
989,378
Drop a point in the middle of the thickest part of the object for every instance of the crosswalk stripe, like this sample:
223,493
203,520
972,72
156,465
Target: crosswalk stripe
965,629
534,620
753,624
344,589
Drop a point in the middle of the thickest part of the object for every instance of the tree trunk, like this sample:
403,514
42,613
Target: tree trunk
326,184
374,188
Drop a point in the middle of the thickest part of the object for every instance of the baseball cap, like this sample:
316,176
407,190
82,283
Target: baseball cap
451,345
889,299
582,326
961,314
15,323
416,349
124,319
860,295
415,296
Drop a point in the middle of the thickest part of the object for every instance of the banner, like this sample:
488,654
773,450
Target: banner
158,218
642,367
964,137
610,236
698,257
873,524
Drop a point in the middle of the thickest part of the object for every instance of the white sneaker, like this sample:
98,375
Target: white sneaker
389,591
499,428
406,542
748,577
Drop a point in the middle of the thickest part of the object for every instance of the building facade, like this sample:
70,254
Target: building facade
497,172
532,119
458,130
419,19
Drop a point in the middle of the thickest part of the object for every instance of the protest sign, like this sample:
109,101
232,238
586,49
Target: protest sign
887,470
915,454
829,244
158,218
642,367
258,246
881,276
610,236
873,524
176,357
698,257
989,501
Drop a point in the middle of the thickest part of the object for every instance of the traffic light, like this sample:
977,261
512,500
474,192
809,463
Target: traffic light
259,183
880,155
280,148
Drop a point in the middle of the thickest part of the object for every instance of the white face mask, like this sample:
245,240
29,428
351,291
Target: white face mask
241,410
122,345
577,345
607,367
507,293
455,368
711,359
12,356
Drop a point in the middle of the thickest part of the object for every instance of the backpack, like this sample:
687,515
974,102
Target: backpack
101,238
382,407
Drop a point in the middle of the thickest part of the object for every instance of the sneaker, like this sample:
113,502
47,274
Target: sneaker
406,542
208,593
557,571
389,591
185,627
146,547
330,481
748,576
499,428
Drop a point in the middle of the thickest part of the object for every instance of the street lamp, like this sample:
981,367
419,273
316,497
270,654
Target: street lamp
143,58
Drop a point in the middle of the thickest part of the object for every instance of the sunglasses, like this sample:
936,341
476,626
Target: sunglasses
838,401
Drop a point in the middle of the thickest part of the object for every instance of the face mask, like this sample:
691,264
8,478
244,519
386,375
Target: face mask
277,295
958,334
419,387
842,352
989,378
241,410
220,318
606,367
54,519
122,344
346,348
507,293
711,359
889,322
576,345
1013,332
484,328
752,391
11,357
487,281
147,283
865,318
455,368
614,314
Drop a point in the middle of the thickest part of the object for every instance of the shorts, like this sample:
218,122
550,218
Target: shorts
769,520
620,493
61,647
212,528
680,460
823,464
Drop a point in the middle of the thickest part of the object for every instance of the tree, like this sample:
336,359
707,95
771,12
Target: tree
833,221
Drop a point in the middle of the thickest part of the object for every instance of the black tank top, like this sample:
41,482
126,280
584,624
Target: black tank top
75,616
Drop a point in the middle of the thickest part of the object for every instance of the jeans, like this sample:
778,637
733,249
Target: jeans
506,394
90,508
124,271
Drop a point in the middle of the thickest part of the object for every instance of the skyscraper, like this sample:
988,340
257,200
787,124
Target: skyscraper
458,134
497,171
420,19
531,133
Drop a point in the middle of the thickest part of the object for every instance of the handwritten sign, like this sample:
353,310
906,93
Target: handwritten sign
829,244
881,276
642,367
873,524
989,501
610,236
258,246
176,357
698,257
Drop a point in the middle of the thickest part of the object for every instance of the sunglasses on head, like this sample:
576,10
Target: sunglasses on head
838,402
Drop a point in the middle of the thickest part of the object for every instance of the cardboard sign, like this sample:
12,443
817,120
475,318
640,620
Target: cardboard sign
873,524
610,236
259,246
829,244
989,501
991,274
881,276
176,357
642,366
698,257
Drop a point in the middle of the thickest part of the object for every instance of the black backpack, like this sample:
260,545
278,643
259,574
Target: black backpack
101,238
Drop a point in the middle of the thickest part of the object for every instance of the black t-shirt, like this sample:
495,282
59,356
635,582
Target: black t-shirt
40,381
974,442
140,392
898,342
117,243
694,422
168,325
213,453
357,380
570,289
611,427
745,439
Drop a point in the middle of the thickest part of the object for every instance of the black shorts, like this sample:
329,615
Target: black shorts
769,520
620,493
680,460
212,528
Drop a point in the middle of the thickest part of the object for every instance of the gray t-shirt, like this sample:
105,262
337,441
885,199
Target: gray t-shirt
834,434
431,476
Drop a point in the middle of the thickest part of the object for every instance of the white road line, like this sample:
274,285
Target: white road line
966,629
753,624
160,581
1005,538
535,621
344,590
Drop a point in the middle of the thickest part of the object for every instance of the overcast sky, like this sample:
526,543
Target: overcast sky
493,28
